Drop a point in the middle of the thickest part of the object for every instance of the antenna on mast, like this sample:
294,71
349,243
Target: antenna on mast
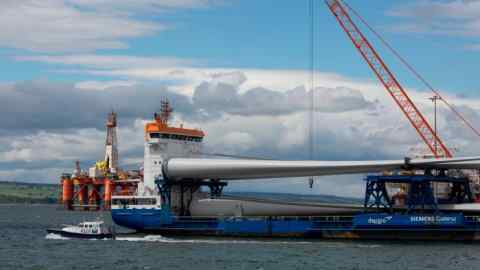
165,112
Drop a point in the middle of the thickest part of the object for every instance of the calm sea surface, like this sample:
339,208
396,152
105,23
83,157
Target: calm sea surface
24,244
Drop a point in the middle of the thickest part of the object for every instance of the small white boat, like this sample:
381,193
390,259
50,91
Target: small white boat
86,230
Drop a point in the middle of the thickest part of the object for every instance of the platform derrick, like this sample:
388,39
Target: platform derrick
111,148
93,189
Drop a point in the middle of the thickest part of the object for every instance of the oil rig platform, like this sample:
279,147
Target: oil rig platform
93,189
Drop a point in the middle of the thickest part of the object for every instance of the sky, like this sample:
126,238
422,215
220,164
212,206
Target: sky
239,70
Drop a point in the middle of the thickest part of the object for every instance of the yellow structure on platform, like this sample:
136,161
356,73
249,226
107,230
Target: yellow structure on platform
102,166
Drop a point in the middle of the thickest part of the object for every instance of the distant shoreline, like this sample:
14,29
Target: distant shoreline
37,193
29,204
28,193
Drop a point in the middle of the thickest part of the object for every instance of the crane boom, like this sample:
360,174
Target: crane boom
386,77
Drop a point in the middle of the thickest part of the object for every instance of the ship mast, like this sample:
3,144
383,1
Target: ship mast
165,113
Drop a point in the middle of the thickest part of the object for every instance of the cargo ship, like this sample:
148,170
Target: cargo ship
181,194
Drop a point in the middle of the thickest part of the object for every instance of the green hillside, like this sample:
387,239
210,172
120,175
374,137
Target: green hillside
14,192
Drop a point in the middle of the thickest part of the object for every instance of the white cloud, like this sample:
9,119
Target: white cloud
46,146
106,61
378,132
237,141
184,77
54,149
143,5
217,98
102,85
80,25
281,80
455,18
187,78
46,175
234,78
473,47
44,105
455,9
56,26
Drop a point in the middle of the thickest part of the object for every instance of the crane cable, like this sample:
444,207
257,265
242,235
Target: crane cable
214,154
312,85
412,70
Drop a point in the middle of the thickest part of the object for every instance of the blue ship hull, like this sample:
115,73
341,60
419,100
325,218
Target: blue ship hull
361,226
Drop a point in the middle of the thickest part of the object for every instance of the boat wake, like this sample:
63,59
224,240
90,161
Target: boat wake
162,239
53,236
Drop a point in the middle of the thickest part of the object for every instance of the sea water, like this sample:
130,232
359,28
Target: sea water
25,244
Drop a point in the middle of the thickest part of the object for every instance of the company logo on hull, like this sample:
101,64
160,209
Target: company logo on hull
434,219
409,220
379,220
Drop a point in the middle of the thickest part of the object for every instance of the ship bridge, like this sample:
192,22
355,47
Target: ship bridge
162,142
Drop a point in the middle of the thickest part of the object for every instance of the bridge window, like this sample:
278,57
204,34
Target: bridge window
134,201
154,135
146,201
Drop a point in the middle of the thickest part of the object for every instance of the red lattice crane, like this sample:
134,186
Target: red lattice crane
383,73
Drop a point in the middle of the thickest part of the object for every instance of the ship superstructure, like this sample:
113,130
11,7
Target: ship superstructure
163,142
